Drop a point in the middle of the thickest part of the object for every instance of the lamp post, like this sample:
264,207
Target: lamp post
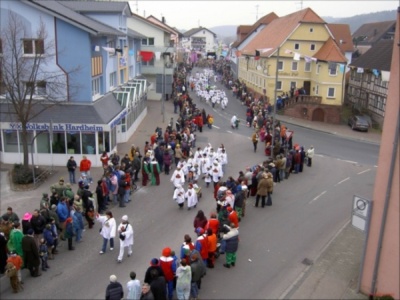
163,87
275,95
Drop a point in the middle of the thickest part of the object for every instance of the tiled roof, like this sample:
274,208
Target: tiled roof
330,51
57,9
96,6
342,36
174,30
273,35
100,112
373,31
150,23
379,56
243,29
192,31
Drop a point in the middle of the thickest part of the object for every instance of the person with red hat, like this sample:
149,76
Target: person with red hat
233,217
168,267
201,244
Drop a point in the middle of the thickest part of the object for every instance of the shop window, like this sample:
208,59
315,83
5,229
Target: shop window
73,142
88,143
43,143
113,137
59,142
10,141
104,141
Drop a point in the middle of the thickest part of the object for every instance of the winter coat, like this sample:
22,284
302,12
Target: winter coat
85,165
232,240
71,165
262,187
168,266
62,211
31,252
38,224
167,158
197,269
108,227
127,231
114,291
184,274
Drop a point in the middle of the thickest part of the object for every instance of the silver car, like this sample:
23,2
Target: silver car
358,122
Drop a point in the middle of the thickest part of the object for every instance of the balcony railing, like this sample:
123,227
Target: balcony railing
303,99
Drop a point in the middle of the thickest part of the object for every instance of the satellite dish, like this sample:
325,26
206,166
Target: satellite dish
259,68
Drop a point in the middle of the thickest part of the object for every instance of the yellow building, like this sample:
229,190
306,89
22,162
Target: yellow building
309,55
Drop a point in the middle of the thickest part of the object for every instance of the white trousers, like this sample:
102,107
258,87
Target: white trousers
122,250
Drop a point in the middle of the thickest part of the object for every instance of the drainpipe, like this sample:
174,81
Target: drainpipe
386,205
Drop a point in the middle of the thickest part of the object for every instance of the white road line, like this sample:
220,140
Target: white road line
342,181
350,161
215,126
359,173
317,197
229,131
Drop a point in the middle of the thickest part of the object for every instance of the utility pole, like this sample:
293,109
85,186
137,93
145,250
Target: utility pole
257,6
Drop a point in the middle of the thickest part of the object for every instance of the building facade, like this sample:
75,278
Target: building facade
103,99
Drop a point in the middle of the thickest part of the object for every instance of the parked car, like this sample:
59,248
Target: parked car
359,122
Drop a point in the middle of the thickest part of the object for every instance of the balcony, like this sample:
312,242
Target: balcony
303,99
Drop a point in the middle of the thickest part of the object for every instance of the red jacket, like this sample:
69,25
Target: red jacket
166,264
233,217
213,224
202,246
85,165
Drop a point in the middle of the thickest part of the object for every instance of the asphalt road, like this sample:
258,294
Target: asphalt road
307,211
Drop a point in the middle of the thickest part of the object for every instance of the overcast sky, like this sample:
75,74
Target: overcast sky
190,14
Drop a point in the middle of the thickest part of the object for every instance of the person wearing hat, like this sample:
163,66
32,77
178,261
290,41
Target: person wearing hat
154,265
168,266
126,237
31,254
71,166
26,222
114,289
201,244
178,177
179,195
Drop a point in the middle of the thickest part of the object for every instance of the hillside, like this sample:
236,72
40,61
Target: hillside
227,33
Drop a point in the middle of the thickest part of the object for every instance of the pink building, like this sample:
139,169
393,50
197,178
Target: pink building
381,266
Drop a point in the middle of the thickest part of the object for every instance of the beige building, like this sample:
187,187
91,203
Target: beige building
309,54
381,265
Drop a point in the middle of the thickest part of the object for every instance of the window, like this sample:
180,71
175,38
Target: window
33,46
104,141
296,46
279,85
58,142
96,86
280,65
97,66
36,89
43,142
293,85
317,90
74,142
294,65
312,47
307,67
332,69
148,42
148,63
311,29
88,143
113,79
331,92
111,44
318,68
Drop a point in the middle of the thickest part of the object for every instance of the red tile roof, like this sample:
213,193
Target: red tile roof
342,36
273,35
330,51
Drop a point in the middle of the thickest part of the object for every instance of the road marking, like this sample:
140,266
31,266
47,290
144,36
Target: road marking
215,126
342,181
350,161
317,197
359,173
228,131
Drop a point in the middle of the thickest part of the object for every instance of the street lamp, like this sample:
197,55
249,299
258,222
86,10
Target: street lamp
275,96
163,85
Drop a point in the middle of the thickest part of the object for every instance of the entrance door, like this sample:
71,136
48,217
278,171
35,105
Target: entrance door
307,87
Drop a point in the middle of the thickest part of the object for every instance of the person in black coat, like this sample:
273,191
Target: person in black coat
122,184
158,285
31,254
114,289
38,223
154,265
3,252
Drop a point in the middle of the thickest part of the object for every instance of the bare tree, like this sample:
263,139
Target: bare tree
31,80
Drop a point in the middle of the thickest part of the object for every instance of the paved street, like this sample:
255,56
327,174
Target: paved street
308,211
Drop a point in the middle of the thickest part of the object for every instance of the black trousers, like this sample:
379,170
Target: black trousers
262,200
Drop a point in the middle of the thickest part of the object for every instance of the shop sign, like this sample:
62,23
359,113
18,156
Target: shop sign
57,127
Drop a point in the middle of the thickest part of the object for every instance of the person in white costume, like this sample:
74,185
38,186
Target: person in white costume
179,195
126,237
191,197
178,177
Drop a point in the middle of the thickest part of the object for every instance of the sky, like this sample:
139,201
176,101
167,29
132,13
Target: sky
191,14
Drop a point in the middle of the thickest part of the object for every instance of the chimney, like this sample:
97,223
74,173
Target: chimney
163,20
375,31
